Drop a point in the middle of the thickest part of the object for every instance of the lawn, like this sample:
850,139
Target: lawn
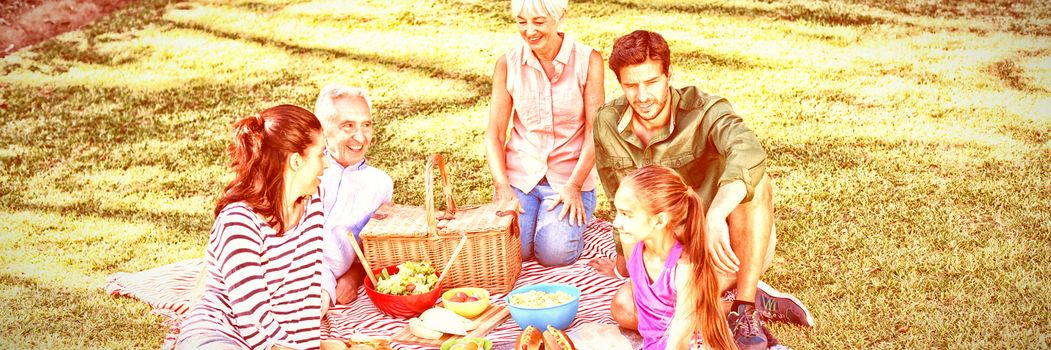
909,142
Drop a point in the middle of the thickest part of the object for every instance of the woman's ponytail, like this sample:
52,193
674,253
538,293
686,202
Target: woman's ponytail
247,147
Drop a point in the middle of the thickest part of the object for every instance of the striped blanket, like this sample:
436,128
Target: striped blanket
168,290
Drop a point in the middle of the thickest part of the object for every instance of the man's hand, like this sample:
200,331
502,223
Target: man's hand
718,237
573,205
346,292
504,196
347,284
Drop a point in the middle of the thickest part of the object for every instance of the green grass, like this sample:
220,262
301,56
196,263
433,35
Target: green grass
909,142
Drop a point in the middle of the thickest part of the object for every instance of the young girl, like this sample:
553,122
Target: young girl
673,281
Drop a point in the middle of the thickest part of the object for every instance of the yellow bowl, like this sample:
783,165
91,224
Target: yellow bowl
467,309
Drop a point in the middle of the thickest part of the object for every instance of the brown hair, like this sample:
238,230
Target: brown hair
636,48
259,153
661,190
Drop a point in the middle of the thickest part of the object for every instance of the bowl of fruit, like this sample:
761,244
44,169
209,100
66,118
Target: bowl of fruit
404,290
465,301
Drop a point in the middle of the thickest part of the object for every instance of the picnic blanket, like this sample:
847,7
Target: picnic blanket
168,290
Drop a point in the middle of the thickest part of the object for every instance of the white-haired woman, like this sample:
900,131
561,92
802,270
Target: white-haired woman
550,87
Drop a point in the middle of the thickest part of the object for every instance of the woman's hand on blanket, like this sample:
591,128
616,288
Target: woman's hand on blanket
573,205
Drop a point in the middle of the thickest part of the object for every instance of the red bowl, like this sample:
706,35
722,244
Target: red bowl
401,305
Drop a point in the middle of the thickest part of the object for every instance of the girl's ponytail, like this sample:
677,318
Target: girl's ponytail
707,311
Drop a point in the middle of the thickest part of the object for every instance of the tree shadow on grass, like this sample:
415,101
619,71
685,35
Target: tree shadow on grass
1008,72
147,117
1021,17
262,6
793,12
184,227
1025,19
714,59
72,314
478,82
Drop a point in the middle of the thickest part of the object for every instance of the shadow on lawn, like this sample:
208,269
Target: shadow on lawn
479,83
1024,19
1008,72
714,59
93,139
72,312
825,14
185,227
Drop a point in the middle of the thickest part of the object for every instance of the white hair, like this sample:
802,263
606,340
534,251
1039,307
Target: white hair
325,107
552,8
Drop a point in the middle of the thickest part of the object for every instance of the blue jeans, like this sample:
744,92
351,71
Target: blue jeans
551,241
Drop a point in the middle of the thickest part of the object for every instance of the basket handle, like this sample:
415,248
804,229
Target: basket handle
450,205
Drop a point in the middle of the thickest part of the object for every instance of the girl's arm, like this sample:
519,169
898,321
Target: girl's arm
680,334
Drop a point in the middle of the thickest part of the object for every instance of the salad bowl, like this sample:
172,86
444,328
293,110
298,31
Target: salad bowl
409,305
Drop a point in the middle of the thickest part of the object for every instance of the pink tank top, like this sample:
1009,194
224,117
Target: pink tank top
654,303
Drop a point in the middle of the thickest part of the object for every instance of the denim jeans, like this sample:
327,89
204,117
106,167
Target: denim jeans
553,242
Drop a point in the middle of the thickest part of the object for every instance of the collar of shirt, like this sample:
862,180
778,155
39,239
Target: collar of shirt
560,61
629,135
333,163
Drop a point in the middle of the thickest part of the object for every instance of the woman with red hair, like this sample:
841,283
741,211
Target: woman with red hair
264,258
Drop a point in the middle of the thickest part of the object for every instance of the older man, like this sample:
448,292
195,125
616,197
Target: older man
352,190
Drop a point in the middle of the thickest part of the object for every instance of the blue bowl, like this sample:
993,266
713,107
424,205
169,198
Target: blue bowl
559,316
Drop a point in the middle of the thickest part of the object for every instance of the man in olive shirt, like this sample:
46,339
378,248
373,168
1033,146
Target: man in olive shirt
700,137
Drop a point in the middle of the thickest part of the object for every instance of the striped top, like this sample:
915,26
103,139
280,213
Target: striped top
262,289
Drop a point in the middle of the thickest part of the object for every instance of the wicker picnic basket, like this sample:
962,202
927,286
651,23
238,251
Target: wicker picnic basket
490,257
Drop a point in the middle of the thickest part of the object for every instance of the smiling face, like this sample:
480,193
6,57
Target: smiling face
633,222
646,87
348,130
538,30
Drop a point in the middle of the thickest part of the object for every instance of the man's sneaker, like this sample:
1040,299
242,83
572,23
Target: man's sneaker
775,305
747,328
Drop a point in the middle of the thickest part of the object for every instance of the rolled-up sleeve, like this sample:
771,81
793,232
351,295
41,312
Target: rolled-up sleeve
745,157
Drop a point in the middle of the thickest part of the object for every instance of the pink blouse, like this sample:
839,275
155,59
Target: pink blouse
548,132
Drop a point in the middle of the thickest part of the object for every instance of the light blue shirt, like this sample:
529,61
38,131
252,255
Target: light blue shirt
351,196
